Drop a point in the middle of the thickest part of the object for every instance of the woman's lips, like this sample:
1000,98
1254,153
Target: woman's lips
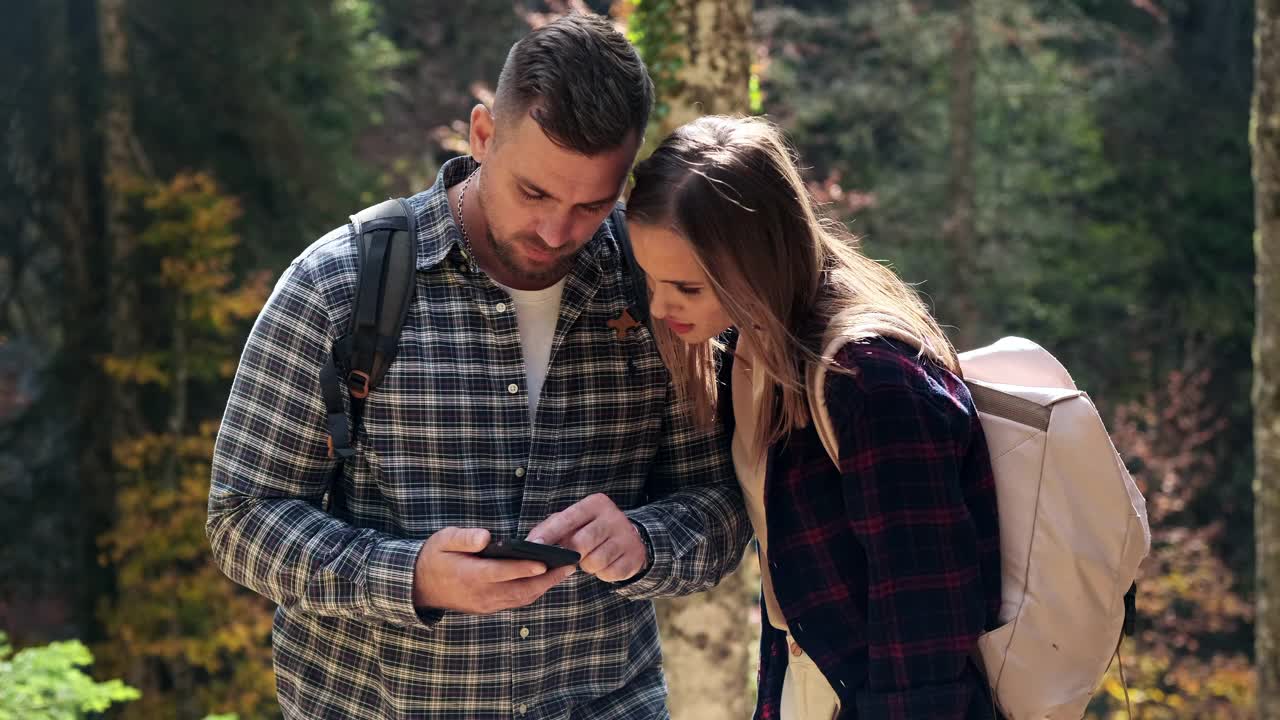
678,327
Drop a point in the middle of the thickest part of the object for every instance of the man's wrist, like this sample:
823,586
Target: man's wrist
648,547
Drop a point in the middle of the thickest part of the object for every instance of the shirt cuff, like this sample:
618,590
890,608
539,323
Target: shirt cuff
936,701
390,584
661,556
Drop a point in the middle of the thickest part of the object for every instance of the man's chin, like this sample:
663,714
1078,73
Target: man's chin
547,265
538,272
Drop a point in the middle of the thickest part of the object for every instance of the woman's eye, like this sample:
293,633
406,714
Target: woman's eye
690,291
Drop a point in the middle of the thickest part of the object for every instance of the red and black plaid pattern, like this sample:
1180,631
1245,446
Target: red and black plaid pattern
887,569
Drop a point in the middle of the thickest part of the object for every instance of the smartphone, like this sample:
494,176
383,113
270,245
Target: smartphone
553,556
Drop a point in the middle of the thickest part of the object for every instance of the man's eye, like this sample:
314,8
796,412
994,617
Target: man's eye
531,196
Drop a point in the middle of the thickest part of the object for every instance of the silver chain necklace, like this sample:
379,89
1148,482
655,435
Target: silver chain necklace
462,224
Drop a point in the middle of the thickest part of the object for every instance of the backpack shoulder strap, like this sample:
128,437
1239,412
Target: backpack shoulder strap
816,389
637,290
386,255
817,376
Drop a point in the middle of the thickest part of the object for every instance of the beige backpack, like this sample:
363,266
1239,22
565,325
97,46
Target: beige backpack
1073,529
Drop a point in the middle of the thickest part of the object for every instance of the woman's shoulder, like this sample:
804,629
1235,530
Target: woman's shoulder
879,366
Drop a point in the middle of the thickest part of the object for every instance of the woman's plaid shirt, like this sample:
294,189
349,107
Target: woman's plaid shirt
447,441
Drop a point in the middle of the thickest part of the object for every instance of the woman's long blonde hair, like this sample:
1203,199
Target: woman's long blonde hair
788,278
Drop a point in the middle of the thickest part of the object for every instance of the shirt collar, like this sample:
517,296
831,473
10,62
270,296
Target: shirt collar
438,233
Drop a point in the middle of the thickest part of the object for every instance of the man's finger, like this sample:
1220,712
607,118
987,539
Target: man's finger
467,540
602,556
501,571
588,538
558,526
623,568
518,593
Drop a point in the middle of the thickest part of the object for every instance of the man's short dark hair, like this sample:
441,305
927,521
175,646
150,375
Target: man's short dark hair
581,81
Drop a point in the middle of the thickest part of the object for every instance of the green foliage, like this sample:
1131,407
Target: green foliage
874,131
273,114
48,683
650,27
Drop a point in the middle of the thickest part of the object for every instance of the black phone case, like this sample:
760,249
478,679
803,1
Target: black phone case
550,555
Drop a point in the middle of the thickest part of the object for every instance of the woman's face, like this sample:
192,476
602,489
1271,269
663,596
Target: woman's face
681,294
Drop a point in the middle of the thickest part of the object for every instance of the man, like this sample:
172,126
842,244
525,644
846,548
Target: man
519,405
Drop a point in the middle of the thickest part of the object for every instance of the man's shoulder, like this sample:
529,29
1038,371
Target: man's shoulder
328,268
333,255
331,264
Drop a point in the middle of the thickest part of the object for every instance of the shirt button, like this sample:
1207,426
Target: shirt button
524,632
513,388
523,708
519,472
501,307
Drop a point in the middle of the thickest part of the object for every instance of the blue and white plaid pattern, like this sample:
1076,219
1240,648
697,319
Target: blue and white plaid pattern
447,441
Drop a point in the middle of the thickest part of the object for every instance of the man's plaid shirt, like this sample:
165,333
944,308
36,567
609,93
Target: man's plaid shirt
447,441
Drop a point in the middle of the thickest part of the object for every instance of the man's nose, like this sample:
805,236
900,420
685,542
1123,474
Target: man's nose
556,230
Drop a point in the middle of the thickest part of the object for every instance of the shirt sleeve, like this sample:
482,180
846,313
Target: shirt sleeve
901,454
271,469
695,524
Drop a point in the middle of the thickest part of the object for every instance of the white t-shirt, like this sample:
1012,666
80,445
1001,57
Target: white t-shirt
537,312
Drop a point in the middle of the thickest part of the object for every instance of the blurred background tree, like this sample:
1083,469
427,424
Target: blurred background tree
1075,171
1265,139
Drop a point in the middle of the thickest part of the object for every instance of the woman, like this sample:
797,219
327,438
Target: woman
879,574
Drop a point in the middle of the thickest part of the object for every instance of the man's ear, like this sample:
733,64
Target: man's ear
482,132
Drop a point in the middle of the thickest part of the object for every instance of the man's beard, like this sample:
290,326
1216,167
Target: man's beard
509,256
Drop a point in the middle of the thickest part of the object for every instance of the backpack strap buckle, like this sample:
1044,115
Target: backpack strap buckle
358,382
341,453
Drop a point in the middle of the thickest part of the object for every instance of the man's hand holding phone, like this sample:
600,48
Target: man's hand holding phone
464,569
451,575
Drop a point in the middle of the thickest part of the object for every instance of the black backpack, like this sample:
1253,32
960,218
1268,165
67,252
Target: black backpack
386,244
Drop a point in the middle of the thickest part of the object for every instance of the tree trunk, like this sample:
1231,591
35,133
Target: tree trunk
713,50
1266,351
708,644
709,640
119,167
69,218
958,230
